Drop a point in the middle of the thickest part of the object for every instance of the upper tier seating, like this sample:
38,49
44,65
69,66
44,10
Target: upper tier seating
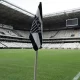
49,34
46,34
68,34
7,32
62,34
24,34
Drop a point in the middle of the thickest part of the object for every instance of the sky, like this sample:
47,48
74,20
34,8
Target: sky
48,6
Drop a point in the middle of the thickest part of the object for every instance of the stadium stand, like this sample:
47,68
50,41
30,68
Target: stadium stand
15,45
24,34
62,46
7,32
49,34
68,33
78,46
62,34
1,45
70,45
15,24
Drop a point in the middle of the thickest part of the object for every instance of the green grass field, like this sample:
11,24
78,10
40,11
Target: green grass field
18,64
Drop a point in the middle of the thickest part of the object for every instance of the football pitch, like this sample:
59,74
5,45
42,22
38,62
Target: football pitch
18,64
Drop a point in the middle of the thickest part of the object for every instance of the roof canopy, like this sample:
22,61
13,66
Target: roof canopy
13,15
22,19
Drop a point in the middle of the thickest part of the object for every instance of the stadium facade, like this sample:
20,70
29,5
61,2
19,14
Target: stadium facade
15,24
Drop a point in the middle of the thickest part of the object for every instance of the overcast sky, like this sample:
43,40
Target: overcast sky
49,6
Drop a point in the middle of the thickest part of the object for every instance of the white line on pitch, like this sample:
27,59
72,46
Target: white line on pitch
77,76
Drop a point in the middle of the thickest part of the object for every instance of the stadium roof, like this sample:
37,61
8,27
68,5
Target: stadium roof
13,15
61,17
22,19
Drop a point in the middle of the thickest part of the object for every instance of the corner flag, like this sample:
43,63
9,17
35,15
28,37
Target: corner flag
36,29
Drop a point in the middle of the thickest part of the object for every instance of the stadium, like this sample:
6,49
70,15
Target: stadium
59,58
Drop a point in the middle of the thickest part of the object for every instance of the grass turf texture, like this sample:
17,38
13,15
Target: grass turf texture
18,64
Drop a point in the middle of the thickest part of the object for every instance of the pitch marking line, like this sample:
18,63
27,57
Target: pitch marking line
77,76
